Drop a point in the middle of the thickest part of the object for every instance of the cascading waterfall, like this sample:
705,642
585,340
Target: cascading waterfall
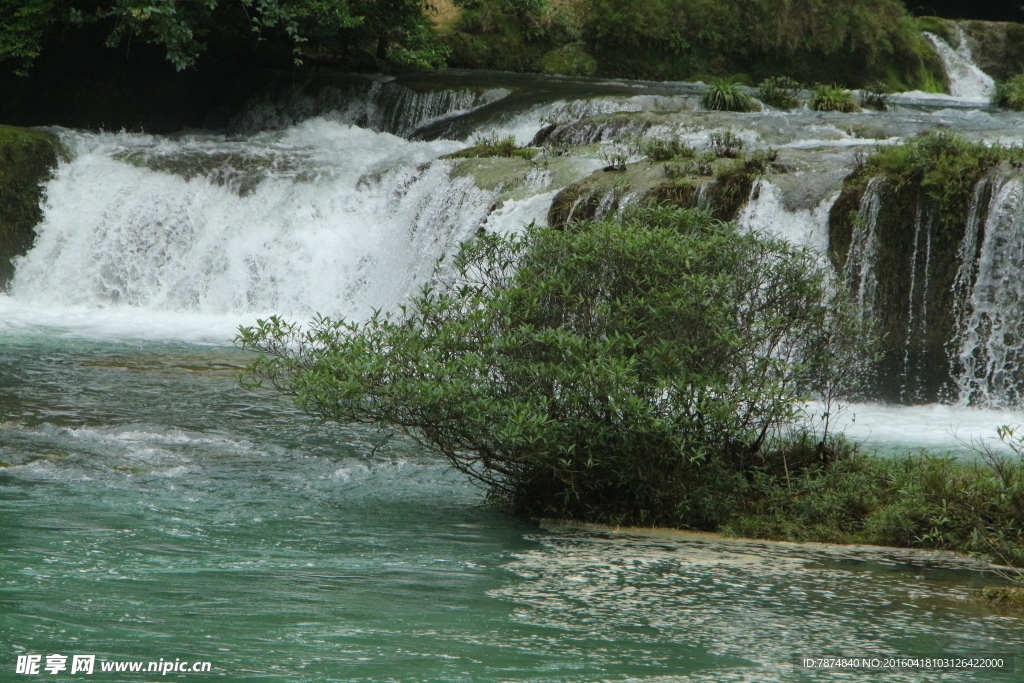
989,355
323,217
966,79
378,104
861,261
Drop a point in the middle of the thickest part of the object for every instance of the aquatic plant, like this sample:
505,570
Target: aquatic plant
1010,94
780,92
832,98
726,96
596,372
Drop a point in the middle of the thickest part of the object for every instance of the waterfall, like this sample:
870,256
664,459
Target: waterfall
966,80
323,217
379,104
766,211
991,347
861,261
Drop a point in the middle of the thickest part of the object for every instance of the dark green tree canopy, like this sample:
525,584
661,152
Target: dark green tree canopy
396,30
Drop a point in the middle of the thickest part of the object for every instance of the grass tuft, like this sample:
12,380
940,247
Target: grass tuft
780,92
832,98
1010,94
727,96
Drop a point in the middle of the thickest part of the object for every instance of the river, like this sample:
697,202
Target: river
152,508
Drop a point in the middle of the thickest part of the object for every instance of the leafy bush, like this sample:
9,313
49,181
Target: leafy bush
604,372
1010,94
832,98
726,96
780,92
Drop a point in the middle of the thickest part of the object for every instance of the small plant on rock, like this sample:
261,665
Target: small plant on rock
780,92
832,98
1010,94
875,96
667,149
725,144
727,96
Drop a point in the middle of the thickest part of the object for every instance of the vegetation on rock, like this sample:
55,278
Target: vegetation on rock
832,98
1010,94
780,92
26,159
726,96
494,145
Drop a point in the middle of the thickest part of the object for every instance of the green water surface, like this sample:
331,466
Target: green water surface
151,508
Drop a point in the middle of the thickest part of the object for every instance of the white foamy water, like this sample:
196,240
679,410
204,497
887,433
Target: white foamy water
966,80
766,211
324,217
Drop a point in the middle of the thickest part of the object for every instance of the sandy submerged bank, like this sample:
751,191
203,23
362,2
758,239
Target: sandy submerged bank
705,547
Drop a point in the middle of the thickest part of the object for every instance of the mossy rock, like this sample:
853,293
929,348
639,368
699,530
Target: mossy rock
27,158
489,151
1011,597
997,47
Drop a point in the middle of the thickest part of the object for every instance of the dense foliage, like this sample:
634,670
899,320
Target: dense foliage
397,30
812,40
599,372
1010,94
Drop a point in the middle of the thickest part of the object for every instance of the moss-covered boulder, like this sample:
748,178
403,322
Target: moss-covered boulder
897,232
26,159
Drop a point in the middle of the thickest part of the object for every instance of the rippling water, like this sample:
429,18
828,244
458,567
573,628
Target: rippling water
152,508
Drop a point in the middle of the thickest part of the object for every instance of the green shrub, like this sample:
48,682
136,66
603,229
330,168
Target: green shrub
1010,94
726,96
832,98
667,149
780,92
622,371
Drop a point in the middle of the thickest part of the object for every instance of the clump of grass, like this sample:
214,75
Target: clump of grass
726,96
1010,94
667,149
725,144
875,96
832,98
780,92
494,145
915,500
